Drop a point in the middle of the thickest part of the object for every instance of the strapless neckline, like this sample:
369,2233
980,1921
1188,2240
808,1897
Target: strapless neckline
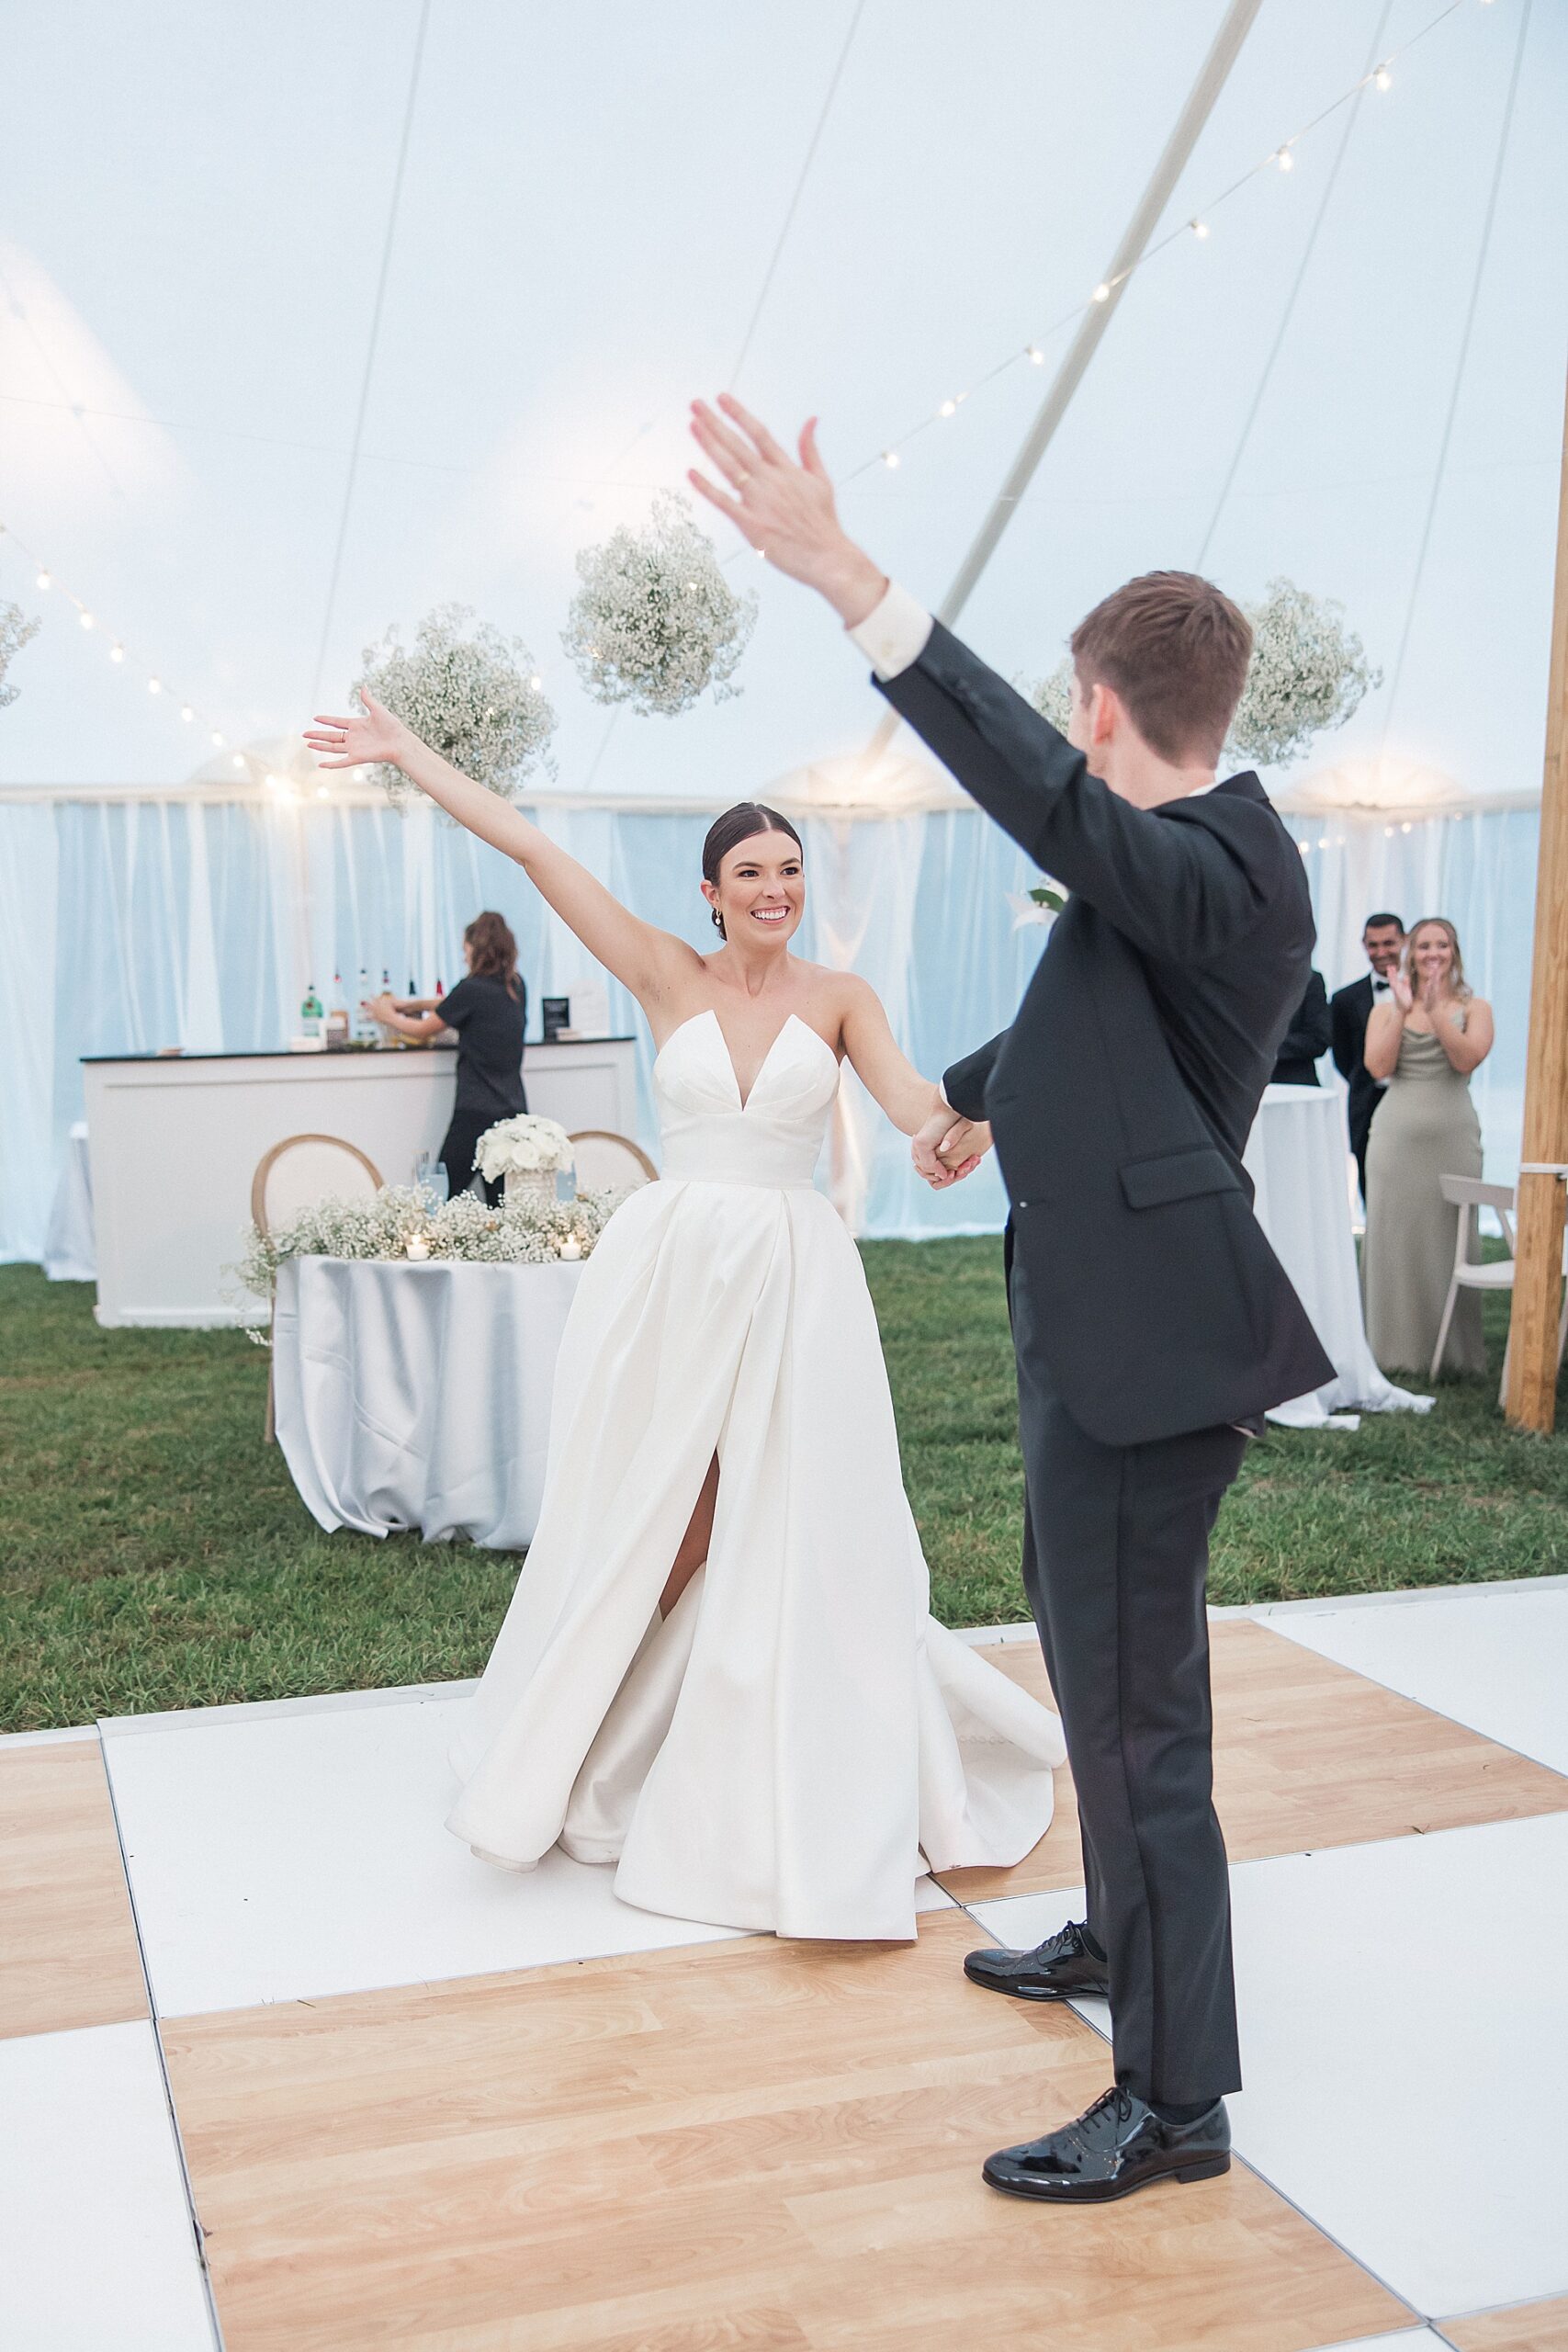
743,1101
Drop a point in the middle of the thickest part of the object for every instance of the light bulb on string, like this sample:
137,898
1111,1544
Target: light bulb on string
890,460
44,579
85,618
116,652
535,684
154,686
1033,352
239,760
1285,160
1101,292
216,738
322,792
1200,228
186,713
948,407
1383,79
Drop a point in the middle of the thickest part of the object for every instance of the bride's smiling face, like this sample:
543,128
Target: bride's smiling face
761,890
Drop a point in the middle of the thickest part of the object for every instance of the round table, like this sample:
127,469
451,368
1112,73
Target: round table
419,1395
1298,1156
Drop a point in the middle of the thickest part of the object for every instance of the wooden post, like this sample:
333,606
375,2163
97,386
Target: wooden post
1531,1399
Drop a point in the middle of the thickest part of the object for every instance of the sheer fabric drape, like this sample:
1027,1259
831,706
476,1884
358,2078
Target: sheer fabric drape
130,924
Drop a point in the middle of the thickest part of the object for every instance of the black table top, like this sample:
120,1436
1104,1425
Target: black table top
352,1054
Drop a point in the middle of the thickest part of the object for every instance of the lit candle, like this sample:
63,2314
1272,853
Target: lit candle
417,1247
572,1247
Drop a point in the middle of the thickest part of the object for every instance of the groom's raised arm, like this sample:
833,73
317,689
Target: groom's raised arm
1173,888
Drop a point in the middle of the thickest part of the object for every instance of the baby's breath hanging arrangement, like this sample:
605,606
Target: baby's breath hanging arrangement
655,622
15,630
1309,674
469,693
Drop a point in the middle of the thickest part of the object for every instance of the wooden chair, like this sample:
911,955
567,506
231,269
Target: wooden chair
1467,1193
610,1163
293,1176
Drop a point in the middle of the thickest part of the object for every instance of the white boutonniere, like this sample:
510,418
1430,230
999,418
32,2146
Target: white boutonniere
1042,904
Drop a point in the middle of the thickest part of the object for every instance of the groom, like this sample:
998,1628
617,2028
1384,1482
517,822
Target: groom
1152,1322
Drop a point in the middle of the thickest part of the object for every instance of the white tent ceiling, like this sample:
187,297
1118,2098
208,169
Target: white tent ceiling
589,230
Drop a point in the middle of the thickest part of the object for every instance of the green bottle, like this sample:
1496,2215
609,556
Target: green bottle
311,1013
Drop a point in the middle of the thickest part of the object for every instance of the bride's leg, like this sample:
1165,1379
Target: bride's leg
695,1543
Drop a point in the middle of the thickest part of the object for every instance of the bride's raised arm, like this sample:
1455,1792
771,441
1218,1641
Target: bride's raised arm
644,958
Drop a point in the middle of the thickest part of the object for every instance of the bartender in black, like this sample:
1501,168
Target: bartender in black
488,1011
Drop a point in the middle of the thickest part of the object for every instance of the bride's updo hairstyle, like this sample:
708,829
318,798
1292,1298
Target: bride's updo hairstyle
739,825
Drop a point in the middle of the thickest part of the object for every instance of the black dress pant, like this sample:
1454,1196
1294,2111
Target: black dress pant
458,1153
1116,1557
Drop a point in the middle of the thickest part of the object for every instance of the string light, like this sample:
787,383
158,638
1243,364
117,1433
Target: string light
1280,158
116,649
535,684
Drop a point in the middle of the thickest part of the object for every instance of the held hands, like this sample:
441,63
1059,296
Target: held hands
949,1148
784,508
374,741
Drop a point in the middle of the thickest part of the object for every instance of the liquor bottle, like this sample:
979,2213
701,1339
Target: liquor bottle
337,1017
364,1024
412,988
311,1013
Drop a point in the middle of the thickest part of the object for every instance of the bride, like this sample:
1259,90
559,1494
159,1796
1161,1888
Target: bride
719,1671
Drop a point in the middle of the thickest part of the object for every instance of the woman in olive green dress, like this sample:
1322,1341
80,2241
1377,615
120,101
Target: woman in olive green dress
1425,1038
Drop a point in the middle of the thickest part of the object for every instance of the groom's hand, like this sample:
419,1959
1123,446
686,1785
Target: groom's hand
785,507
948,1147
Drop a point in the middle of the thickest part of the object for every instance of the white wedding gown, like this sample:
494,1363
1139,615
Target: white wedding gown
783,1749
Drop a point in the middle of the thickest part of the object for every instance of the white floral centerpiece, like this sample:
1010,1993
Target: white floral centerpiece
526,1151
399,1223
655,622
15,630
469,693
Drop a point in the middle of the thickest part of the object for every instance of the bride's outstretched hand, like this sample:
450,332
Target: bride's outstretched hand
783,505
948,1148
370,741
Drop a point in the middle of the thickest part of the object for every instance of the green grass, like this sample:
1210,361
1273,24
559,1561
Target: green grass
153,1552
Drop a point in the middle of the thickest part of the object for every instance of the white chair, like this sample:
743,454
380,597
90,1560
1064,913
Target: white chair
610,1163
1467,1194
302,1170
292,1177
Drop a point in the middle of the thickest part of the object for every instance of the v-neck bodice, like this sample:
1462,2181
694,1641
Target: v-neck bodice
711,1136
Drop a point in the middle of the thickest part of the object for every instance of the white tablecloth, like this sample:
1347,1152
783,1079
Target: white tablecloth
68,1252
1296,1157
419,1395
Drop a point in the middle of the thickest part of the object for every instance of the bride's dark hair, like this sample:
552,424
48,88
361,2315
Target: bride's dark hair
739,825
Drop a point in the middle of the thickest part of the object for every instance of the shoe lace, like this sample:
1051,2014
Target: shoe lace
1115,2105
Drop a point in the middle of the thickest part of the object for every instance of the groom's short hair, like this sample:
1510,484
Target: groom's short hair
1175,650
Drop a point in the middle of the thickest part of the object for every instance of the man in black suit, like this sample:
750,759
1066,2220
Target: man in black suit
1152,1322
1351,1009
1306,1040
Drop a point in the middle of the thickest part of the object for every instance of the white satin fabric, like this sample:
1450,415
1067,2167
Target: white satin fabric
782,1750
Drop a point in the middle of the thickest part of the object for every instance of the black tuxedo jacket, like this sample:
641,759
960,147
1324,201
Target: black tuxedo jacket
1349,1010
1305,1039
1121,1096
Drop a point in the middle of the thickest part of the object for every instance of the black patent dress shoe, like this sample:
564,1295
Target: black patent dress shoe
1061,1969
1117,2145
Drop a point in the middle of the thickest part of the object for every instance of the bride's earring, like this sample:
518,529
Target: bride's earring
717,921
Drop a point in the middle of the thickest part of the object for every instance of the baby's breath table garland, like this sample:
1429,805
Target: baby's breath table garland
402,1223
469,693
655,622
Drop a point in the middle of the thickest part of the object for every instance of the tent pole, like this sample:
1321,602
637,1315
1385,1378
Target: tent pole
1213,76
1531,1399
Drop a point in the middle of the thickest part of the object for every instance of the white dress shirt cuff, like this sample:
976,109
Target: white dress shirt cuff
894,633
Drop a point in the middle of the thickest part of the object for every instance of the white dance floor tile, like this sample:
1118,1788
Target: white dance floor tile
1498,1661
1403,2016
292,1855
96,2248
